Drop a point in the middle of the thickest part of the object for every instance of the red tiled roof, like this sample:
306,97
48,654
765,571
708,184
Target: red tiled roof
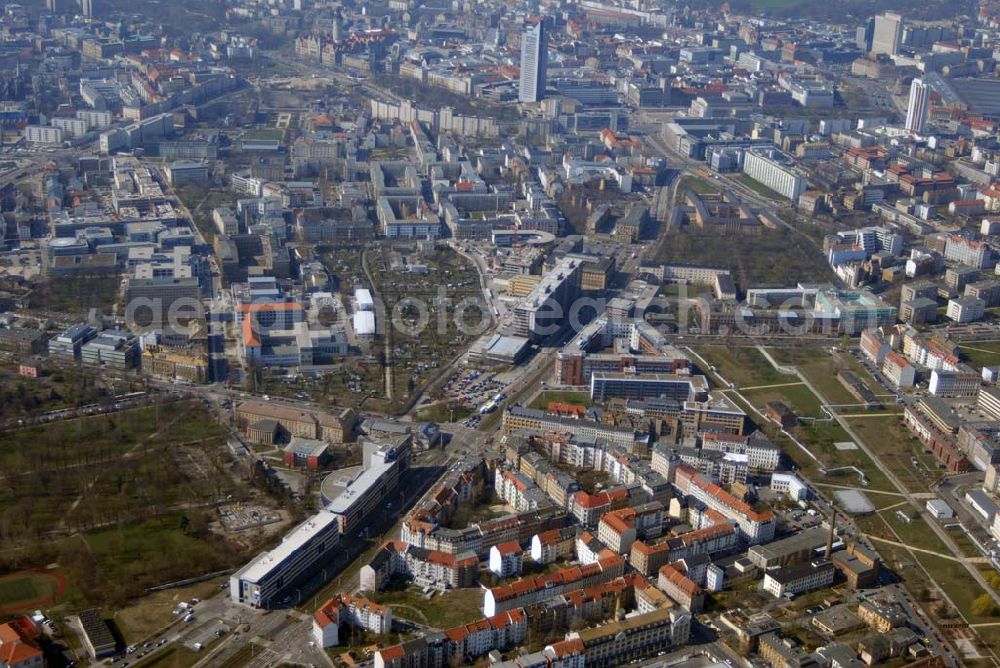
15,648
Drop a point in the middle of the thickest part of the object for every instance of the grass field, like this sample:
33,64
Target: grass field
818,435
821,367
884,434
798,397
442,611
699,186
760,188
156,551
895,448
552,396
743,366
24,589
950,575
981,353
893,444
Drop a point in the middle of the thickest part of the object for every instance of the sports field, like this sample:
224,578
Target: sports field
26,590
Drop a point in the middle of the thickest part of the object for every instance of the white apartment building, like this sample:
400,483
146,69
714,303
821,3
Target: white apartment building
71,127
761,453
954,383
96,120
43,134
966,309
965,251
898,370
352,610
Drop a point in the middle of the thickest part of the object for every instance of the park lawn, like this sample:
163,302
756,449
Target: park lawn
950,576
562,397
981,353
818,438
63,388
797,397
699,186
954,579
916,532
263,133
760,188
743,366
821,437
99,470
961,538
897,449
183,16
157,551
772,257
821,367
443,611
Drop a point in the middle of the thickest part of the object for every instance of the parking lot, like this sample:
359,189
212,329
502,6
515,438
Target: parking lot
479,390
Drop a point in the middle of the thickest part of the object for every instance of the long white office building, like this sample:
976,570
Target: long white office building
775,170
273,574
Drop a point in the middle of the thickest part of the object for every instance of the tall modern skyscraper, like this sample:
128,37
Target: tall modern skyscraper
864,35
888,33
534,63
87,8
920,106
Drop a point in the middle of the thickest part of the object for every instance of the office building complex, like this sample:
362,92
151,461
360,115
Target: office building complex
888,34
370,489
590,352
547,308
604,385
